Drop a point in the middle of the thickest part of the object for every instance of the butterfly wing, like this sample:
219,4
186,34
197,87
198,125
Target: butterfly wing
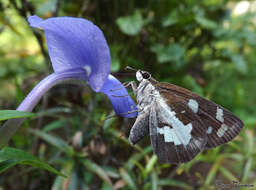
221,125
175,139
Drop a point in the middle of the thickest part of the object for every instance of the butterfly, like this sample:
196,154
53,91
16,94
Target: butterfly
180,123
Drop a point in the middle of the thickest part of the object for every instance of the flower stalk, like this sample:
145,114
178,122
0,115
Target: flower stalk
32,99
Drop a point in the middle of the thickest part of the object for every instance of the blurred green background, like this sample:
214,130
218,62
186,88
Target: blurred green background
206,46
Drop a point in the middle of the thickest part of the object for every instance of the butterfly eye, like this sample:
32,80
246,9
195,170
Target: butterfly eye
145,75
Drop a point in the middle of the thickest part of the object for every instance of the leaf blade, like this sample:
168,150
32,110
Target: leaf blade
10,157
97,170
13,114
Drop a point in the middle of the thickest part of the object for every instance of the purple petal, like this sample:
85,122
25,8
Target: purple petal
119,97
76,43
34,21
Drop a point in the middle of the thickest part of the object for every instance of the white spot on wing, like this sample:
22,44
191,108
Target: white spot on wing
222,130
183,111
167,132
170,134
160,130
88,69
193,105
175,138
219,115
209,130
181,134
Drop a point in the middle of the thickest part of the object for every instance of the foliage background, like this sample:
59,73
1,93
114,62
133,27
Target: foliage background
208,47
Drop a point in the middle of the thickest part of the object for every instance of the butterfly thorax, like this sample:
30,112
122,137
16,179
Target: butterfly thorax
146,93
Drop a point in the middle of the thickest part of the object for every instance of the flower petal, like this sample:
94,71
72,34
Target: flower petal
119,97
76,43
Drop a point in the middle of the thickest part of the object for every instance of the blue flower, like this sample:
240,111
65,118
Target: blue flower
76,43
79,52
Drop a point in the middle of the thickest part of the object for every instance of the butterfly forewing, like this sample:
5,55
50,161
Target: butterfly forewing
220,124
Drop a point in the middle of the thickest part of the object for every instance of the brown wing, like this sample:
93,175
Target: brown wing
175,140
221,125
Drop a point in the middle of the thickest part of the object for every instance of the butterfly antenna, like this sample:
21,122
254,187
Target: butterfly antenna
130,68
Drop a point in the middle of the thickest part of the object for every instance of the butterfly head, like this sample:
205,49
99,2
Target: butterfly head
140,75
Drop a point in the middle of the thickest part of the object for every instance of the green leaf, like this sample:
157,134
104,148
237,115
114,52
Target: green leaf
170,19
228,174
111,172
54,125
150,164
58,183
131,25
247,169
73,183
173,182
68,168
173,52
206,23
11,114
127,178
141,168
106,186
10,157
137,157
55,141
239,63
93,167
154,180
249,143
213,171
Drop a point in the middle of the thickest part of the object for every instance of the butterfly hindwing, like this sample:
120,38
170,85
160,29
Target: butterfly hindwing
174,140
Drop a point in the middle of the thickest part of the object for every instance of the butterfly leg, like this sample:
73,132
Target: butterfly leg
133,85
126,84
